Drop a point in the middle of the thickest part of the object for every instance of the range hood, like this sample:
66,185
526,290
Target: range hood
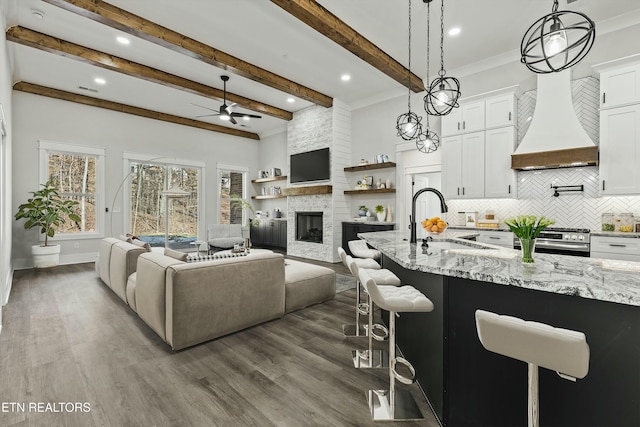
555,137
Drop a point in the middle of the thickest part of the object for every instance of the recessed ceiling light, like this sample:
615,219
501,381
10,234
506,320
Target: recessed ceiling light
345,77
454,31
100,80
37,13
122,40
291,100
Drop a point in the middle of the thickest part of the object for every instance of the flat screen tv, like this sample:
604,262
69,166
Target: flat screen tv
310,166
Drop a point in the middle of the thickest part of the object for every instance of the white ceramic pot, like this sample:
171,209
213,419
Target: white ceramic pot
45,256
381,216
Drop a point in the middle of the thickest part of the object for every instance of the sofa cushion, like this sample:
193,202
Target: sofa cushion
124,258
125,238
180,256
104,258
307,284
131,291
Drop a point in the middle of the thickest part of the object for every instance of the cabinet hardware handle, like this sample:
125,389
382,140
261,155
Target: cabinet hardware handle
604,97
458,191
617,245
463,191
603,185
509,115
509,188
494,237
458,125
464,125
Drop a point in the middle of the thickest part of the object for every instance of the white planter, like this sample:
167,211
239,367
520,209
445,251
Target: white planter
45,256
381,216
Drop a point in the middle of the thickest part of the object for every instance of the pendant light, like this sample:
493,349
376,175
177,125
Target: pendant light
408,124
443,93
428,141
557,41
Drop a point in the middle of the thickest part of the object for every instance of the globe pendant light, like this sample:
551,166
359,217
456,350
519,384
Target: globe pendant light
557,41
408,124
428,141
443,92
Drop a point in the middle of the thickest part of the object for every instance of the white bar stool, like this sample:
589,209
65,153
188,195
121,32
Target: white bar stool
355,330
537,344
360,249
395,404
371,358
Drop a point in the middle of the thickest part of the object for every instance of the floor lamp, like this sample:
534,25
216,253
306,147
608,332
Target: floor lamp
174,192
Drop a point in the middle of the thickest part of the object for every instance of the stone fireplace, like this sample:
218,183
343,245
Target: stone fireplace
309,227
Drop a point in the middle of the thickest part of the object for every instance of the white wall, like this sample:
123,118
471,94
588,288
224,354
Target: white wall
272,153
37,117
6,265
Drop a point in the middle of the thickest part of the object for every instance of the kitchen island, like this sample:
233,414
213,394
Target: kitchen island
469,386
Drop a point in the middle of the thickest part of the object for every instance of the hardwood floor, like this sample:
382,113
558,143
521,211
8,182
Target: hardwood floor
68,338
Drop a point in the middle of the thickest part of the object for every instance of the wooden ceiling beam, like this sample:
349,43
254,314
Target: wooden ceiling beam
70,50
326,23
128,109
120,19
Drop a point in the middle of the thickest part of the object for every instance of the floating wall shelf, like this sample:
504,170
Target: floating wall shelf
275,178
373,190
370,167
275,196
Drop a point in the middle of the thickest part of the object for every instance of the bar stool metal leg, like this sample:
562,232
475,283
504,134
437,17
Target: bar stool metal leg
393,404
371,358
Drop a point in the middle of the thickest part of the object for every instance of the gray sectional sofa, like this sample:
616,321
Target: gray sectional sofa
187,303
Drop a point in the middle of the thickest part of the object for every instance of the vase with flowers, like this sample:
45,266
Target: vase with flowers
527,228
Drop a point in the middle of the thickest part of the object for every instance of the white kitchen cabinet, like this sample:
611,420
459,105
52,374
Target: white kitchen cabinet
620,150
500,111
619,248
499,179
620,86
499,238
463,166
467,118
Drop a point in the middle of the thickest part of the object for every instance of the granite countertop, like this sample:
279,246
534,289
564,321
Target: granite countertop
355,221
616,234
599,279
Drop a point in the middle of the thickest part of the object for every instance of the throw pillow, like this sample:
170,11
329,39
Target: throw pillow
142,244
214,256
125,238
180,256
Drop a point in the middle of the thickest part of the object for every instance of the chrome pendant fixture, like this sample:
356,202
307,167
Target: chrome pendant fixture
557,41
443,92
428,141
408,124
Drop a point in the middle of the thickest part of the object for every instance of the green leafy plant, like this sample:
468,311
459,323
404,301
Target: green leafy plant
47,210
528,226
245,205
379,209
363,208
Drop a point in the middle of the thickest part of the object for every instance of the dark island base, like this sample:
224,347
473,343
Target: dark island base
469,386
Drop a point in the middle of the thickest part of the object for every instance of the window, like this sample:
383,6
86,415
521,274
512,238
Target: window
147,211
78,173
231,183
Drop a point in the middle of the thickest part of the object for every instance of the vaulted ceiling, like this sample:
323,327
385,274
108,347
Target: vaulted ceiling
272,51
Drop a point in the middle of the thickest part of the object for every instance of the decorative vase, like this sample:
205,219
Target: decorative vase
362,213
528,247
389,217
45,256
388,183
368,213
381,216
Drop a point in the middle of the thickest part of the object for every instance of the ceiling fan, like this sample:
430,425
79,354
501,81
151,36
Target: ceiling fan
225,112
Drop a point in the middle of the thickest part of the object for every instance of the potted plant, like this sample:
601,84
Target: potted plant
362,210
252,221
380,213
46,210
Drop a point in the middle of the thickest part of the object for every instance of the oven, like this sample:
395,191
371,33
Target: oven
561,241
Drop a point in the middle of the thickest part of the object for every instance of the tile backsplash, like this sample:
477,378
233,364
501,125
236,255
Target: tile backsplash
535,197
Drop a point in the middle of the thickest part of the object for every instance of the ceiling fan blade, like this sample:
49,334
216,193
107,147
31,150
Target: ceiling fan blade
252,116
232,120
202,106
207,115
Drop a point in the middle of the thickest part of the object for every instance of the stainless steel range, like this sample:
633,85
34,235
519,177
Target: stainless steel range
562,241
